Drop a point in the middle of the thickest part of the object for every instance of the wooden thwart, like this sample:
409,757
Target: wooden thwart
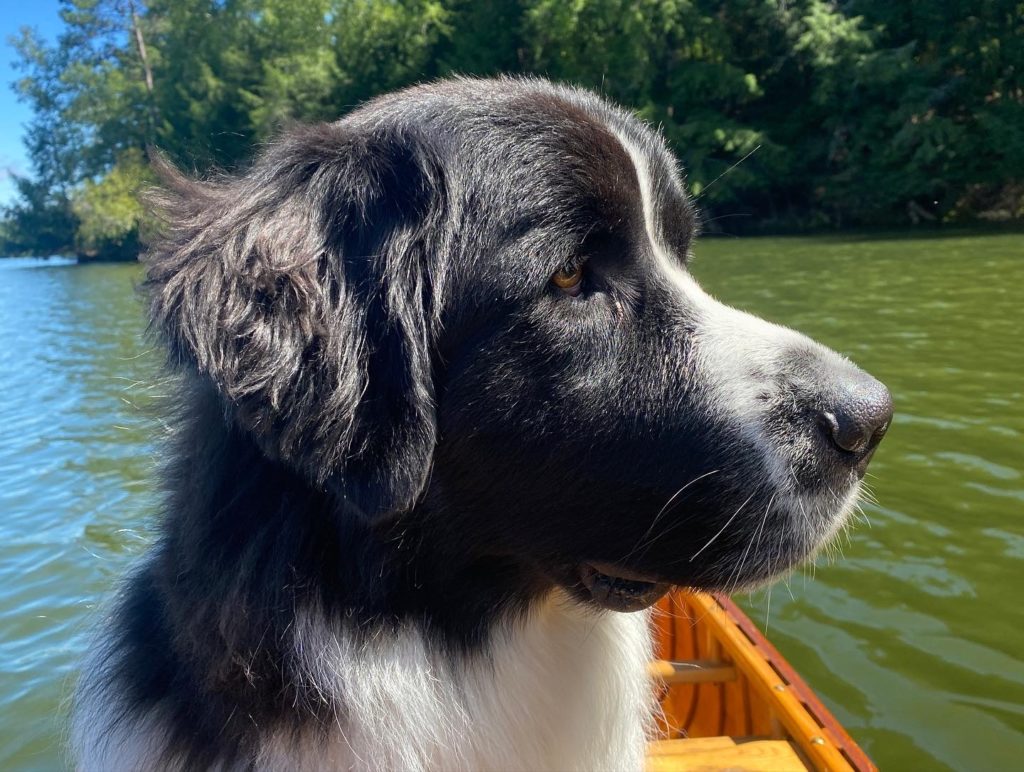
691,671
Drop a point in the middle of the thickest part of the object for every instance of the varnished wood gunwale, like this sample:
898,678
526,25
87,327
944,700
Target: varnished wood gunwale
759,695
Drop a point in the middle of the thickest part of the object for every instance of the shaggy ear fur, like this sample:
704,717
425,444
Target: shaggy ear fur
300,289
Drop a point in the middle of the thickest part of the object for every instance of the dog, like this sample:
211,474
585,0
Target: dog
453,414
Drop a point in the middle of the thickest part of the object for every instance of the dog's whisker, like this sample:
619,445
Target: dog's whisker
704,191
789,589
722,529
737,573
664,509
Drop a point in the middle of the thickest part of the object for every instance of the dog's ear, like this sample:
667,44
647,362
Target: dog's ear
301,289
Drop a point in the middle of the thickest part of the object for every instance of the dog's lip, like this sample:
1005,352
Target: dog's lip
619,589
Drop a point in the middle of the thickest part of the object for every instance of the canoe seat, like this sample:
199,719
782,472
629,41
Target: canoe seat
710,754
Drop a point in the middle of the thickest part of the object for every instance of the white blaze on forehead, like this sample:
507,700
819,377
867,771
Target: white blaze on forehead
734,343
643,174
735,353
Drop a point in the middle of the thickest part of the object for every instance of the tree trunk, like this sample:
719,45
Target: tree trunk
140,44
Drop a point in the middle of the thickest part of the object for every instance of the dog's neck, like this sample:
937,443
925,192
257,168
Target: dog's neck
387,572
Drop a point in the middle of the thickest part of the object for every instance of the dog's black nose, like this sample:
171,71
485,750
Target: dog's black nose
858,416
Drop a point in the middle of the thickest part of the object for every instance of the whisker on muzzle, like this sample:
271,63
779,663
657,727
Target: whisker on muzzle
645,542
722,529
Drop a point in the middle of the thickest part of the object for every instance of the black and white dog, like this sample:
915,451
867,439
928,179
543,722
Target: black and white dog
451,404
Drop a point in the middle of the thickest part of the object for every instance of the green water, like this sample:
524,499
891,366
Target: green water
913,637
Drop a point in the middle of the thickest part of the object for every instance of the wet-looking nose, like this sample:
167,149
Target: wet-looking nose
858,417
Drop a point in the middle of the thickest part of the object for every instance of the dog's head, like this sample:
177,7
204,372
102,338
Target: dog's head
468,303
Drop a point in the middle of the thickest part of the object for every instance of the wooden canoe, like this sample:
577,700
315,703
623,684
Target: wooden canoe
731,701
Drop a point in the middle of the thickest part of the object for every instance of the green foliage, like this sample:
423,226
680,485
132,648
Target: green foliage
39,223
792,115
109,211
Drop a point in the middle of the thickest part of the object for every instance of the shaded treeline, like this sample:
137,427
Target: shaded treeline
867,112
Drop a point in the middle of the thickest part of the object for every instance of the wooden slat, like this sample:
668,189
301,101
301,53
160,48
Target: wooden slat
689,745
692,671
753,756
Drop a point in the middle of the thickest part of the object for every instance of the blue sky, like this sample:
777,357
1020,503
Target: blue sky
15,14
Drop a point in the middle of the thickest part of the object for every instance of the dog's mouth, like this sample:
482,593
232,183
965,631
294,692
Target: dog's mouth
618,589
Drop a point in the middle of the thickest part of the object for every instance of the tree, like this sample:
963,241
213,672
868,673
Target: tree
109,211
795,115
41,219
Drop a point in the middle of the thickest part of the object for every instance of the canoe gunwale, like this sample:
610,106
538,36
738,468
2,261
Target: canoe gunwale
799,713
830,726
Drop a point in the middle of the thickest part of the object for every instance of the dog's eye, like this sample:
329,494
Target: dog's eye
569,280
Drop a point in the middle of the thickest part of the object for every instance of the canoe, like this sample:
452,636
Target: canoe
731,701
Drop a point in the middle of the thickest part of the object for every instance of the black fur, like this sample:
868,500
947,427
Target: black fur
389,413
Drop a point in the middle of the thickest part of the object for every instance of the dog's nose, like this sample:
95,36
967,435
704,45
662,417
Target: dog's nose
858,416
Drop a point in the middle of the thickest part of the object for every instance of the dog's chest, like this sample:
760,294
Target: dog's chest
567,689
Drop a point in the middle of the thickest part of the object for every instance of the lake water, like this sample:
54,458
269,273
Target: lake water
914,637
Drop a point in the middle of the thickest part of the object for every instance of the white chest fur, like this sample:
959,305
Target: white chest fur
565,689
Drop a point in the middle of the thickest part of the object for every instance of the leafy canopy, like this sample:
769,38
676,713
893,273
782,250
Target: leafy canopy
856,113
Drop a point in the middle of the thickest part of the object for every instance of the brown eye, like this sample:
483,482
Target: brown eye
569,280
